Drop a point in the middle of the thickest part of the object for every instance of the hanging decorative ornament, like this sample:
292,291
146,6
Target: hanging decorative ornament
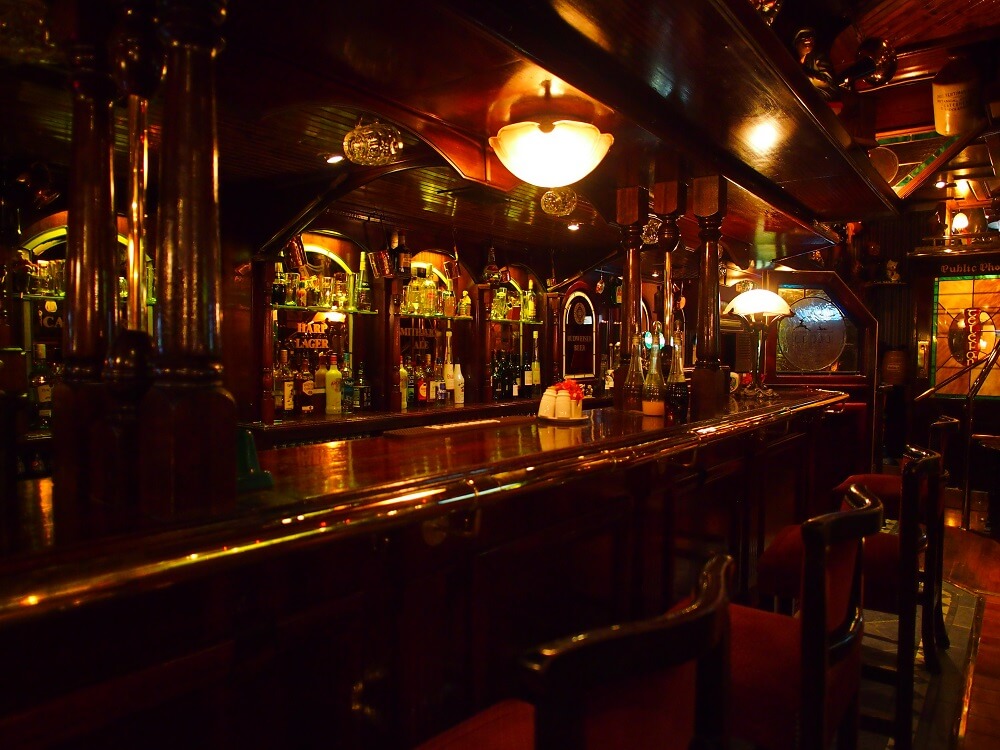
599,286
492,274
768,9
372,145
559,201
651,232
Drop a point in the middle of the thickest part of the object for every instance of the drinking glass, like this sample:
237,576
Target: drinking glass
291,287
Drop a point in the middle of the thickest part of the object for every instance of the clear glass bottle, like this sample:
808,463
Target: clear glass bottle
654,388
334,384
284,386
429,293
404,376
363,290
459,386
449,368
677,386
414,291
632,387
40,388
529,305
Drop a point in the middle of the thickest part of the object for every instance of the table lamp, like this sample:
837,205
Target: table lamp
758,309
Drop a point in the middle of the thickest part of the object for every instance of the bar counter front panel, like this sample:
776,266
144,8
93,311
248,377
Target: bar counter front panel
384,588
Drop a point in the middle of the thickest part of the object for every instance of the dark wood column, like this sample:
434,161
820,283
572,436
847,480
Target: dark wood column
708,389
91,266
669,203
632,214
188,450
552,335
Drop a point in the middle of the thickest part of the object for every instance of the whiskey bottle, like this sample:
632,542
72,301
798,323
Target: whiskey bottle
40,390
362,390
403,258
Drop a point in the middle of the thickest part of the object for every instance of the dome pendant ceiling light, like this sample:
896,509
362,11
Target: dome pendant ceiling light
548,150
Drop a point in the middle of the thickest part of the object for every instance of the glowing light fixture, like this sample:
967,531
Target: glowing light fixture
959,222
547,148
573,227
373,144
758,309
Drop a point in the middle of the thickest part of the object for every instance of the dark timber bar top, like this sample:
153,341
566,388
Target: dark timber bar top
351,487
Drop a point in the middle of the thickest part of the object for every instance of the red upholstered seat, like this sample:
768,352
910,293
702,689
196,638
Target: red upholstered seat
655,683
767,677
892,572
796,680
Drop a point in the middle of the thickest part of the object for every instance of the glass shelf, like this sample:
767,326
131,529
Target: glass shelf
427,316
25,297
522,321
323,308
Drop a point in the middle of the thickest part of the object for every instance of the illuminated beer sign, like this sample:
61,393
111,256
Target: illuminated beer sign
973,333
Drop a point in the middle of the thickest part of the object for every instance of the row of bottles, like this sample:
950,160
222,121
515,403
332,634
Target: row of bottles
514,377
507,304
339,291
649,392
423,382
300,389
422,296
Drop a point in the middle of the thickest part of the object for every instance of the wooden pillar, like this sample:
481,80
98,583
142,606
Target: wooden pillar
552,335
708,387
91,268
669,203
188,443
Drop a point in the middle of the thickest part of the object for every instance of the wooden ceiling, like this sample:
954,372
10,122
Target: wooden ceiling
672,81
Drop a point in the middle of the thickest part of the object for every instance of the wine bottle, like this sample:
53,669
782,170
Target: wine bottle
459,386
347,386
363,292
677,386
40,388
536,366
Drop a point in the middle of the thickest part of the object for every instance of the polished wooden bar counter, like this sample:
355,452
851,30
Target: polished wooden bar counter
383,588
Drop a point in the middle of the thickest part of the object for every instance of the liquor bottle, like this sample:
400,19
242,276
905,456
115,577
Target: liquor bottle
319,384
529,307
362,390
284,386
432,385
429,293
442,388
527,382
654,389
449,368
301,378
514,375
459,386
421,383
497,377
278,285
363,291
40,390
536,367
346,386
403,380
334,383
414,290
677,386
632,388
403,258
411,384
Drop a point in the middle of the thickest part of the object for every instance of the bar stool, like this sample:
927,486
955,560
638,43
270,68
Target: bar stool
796,679
894,581
660,682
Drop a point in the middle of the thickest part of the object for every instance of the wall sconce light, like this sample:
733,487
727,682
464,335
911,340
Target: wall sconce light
548,150
758,309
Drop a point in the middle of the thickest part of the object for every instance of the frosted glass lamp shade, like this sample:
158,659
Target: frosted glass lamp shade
758,306
551,157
